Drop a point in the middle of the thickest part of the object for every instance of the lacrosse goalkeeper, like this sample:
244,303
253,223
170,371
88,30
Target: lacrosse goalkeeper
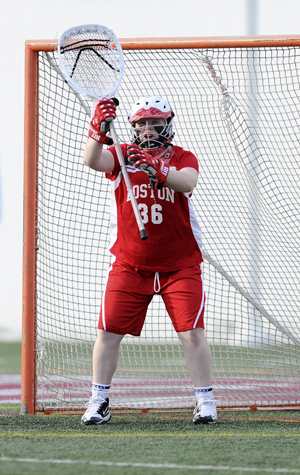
168,263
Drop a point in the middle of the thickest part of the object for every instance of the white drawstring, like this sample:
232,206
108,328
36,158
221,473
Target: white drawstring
156,281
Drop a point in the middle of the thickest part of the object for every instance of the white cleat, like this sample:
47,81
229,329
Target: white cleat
205,412
97,412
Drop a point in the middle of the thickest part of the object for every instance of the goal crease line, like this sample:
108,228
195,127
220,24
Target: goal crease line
143,434
149,465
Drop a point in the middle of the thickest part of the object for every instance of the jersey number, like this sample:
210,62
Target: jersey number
156,215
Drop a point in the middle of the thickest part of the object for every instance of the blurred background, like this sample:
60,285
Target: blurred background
48,19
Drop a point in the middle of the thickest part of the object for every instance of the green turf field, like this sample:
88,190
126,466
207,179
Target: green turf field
241,442
258,442
10,358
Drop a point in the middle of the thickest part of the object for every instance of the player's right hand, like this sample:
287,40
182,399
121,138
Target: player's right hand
99,125
135,154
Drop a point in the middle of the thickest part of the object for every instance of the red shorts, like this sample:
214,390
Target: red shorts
129,292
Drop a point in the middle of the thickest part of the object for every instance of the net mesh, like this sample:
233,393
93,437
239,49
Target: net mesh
237,110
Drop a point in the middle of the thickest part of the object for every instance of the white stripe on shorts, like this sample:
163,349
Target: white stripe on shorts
103,295
202,300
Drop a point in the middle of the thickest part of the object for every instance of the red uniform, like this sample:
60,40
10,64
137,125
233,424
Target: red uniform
167,263
174,236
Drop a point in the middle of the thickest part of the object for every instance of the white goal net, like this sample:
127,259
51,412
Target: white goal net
238,110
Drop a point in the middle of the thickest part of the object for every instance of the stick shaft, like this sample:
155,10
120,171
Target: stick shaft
127,181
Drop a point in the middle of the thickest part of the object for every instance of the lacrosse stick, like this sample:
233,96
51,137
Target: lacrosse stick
91,61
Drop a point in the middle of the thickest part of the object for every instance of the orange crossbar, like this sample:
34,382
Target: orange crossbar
192,42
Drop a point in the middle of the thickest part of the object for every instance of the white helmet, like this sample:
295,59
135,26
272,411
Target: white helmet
152,107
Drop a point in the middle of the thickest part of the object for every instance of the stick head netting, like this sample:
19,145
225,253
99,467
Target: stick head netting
91,60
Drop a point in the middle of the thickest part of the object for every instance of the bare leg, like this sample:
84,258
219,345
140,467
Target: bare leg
197,356
105,356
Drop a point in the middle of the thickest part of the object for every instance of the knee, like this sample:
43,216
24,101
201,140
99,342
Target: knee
105,338
193,337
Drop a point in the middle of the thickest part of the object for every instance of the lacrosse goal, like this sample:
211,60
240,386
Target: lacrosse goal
237,108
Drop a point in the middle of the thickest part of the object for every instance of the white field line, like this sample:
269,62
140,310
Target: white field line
159,466
10,392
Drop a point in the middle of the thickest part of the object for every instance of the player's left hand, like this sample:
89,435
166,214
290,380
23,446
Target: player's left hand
154,167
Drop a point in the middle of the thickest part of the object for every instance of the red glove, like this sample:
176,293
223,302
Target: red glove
105,109
155,167
135,154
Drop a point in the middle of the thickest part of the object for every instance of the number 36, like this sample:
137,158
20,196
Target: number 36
155,211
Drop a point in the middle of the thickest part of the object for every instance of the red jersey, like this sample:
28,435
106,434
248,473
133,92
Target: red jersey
174,235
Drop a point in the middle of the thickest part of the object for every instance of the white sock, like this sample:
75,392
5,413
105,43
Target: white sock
101,390
203,393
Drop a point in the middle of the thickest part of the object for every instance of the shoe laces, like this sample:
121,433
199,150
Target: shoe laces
94,404
205,406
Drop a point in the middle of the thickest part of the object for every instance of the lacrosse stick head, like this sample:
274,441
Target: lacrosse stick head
91,60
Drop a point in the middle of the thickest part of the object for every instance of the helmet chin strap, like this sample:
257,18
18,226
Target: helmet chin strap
158,153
